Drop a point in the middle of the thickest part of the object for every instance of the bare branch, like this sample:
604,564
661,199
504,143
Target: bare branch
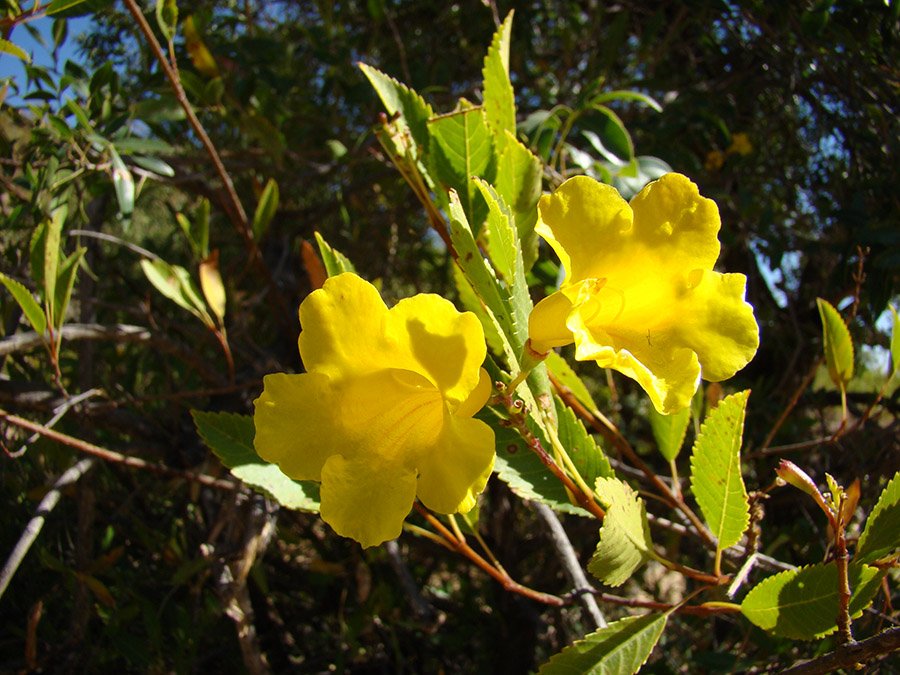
850,654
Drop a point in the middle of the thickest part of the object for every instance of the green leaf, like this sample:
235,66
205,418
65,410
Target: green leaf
153,164
167,17
619,649
51,260
230,437
519,176
335,262
499,98
80,114
265,210
470,302
30,308
123,183
462,148
65,282
562,371
881,537
669,431
837,344
609,137
895,341
588,458
175,283
625,542
628,95
202,235
7,47
803,604
58,6
399,99
212,285
716,479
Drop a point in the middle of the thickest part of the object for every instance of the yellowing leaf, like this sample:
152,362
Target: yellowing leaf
212,285
837,343
803,604
882,534
200,55
625,535
716,479
7,47
669,430
619,649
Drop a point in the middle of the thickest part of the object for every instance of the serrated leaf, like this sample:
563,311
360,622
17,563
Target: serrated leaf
588,458
265,209
895,341
625,542
503,248
499,98
803,604
619,649
175,283
462,147
167,17
7,47
30,308
716,479
470,302
398,98
65,283
212,285
519,176
669,431
230,437
335,261
561,370
837,344
881,536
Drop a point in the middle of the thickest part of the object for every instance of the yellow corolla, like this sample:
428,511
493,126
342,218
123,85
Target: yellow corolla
384,412
640,295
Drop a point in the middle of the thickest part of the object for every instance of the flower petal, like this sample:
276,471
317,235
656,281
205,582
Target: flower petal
456,468
479,396
443,344
343,329
293,417
547,324
366,500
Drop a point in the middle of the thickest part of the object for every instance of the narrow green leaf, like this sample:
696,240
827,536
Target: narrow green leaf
561,370
230,437
335,262
123,183
881,537
202,234
588,458
58,6
609,137
628,95
462,148
895,341
30,308
519,176
619,649
153,164
398,98
175,283
716,479
499,98
7,47
167,17
669,431
803,604
80,114
51,260
625,542
65,283
266,209
837,344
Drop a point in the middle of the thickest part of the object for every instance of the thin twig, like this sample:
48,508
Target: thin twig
33,528
112,456
848,655
570,563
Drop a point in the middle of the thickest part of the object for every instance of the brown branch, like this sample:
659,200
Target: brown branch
235,208
112,456
850,654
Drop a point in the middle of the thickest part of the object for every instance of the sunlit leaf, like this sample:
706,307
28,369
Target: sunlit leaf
124,184
175,283
499,98
669,430
58,6
212,285
335,261
167,17
562,371
7,47
230,437
587,456
65,283
716,479
51,259
881,536
398,99
625,542
621,648
153,164
803,604
519,176
837,344
895,341
265,209
30,308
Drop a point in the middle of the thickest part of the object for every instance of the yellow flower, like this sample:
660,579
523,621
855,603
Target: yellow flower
714,160
639,294
384,412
